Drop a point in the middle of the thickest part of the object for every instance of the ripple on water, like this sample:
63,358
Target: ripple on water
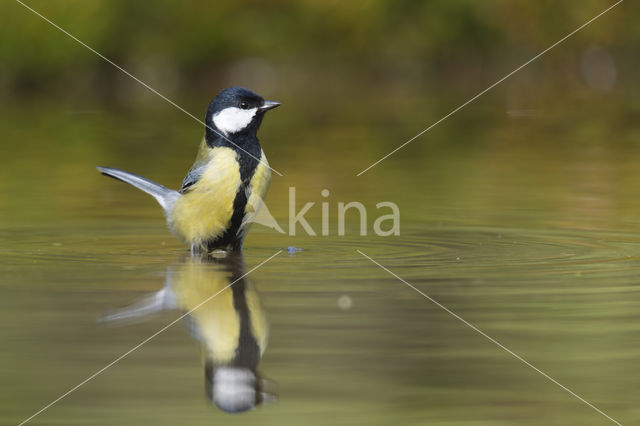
473,254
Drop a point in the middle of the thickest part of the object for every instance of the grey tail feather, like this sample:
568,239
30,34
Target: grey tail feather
165,196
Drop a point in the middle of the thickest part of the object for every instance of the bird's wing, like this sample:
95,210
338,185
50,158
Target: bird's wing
195,173
192,177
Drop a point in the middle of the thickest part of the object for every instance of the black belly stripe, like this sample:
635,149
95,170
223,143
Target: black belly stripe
248,160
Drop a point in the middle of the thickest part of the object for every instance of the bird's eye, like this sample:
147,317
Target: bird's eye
244,105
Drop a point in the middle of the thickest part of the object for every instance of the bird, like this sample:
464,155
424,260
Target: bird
228,181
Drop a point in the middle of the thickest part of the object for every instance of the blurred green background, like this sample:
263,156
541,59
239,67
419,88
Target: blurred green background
356,77
327,59
519,212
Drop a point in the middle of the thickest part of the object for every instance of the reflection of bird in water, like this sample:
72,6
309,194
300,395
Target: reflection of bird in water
231,326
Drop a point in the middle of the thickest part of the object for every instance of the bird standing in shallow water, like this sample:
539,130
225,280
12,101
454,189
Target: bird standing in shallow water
226,185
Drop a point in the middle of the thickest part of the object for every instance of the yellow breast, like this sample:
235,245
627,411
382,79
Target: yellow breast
204,212
258,188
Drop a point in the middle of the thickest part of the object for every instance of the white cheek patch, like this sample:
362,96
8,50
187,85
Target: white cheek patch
233,120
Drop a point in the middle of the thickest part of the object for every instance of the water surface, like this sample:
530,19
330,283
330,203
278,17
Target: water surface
530,233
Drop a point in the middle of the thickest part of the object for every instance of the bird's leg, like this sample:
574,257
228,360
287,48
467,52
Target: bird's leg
196,250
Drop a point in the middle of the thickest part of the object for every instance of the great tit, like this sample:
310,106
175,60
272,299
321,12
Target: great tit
228,181
226,316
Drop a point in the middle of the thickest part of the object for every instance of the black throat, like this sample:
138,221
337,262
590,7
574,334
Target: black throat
244,143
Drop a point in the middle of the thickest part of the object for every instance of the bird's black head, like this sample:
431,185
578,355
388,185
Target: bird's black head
235,111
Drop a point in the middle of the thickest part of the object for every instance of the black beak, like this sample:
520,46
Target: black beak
268,105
